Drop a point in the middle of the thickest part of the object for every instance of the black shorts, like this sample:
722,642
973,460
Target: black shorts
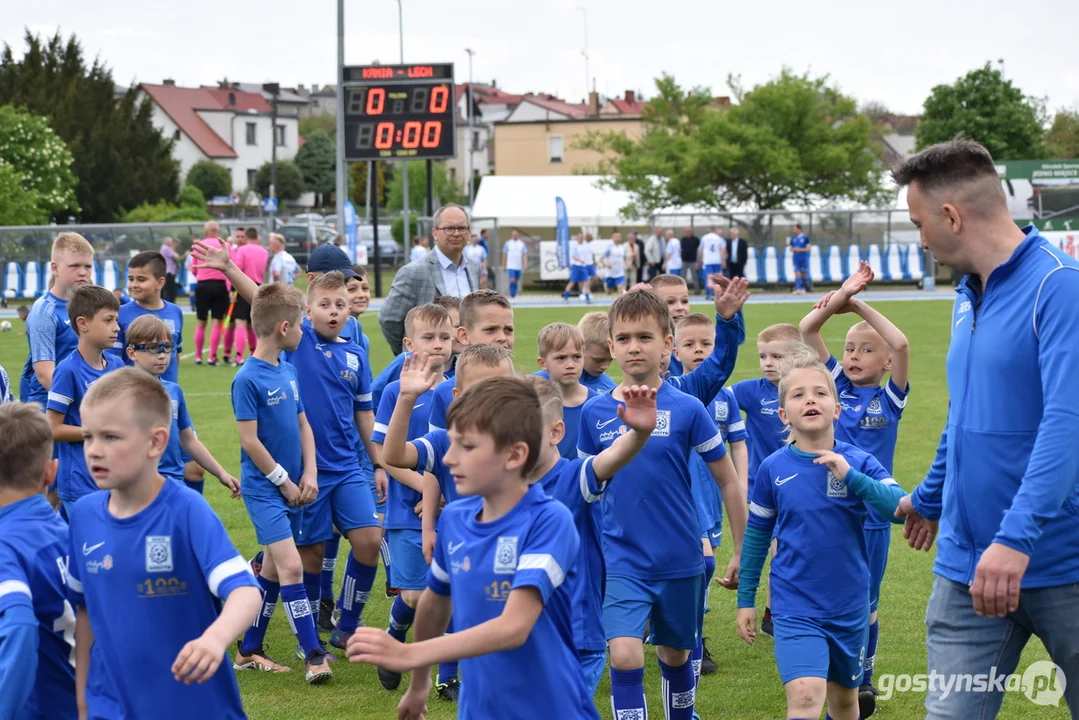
211,299
241,310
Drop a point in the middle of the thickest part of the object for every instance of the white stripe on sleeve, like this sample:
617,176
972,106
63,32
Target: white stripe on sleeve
544,562
58,398
761,511
429,466
382,428
707,445
440,574
895,398
15,586
74,583
224,571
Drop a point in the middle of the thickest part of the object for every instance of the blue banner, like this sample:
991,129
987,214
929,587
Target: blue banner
561,233
350,229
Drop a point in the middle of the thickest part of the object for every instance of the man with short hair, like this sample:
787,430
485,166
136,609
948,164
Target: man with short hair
443,271
654,253
690,269
168,251
737,254
283,267
1003,485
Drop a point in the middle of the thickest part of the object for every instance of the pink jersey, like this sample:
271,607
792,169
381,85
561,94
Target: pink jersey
205,273
252,259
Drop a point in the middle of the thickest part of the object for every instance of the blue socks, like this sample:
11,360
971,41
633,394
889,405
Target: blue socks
709,573
565,295
679,690
447,671
513,289
871,653
257,632
695,657
627,693
196,485
329,565
384,553
354,593
312,587
401,617
298,611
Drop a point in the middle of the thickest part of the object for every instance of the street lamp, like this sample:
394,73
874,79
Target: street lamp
468,141
274,89
404,163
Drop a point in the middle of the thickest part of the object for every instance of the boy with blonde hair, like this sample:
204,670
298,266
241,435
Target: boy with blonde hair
561,355
595,329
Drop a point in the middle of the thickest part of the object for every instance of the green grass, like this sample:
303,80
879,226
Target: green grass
747,684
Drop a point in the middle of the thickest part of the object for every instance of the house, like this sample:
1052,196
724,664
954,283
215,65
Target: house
226,125
320,99
289,100
489,105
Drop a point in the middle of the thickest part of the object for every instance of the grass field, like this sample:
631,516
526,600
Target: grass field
747,684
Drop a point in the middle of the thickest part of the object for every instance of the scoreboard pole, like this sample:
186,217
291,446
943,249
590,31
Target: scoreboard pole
377,259
430,191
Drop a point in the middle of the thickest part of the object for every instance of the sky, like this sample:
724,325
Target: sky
891,53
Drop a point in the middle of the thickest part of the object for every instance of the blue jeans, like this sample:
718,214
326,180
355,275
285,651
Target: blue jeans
960,642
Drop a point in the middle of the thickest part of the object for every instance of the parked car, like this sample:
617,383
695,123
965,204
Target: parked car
389,250
300,239
307,219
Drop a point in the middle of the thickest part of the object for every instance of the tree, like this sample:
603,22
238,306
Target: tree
445,189
397,230
39,158
317,160
983,106
318,122
1063,136
792,140
289,181
357,176
211,179
18,206
191,196
120,158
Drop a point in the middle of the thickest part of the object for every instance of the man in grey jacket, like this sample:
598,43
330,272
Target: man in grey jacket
654,248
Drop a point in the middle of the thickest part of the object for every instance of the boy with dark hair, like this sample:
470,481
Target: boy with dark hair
37,624
513,615
92,311
154,576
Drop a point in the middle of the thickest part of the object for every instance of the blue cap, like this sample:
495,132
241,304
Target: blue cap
328,258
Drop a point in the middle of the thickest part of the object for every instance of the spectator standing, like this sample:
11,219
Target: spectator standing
172,266
283,267
654,253
690,243
737,254
251,258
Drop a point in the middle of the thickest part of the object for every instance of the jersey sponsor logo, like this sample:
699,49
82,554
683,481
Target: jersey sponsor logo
461,566
602,424
836,487
610,435
295,389
175,410
158,553
452,548
663,424
874,407
722,411
94,566
506,556
161,587
87,549
784,481
769,411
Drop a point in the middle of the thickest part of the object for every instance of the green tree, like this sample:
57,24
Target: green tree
397,230
289,181
793,140
164,211
357,176
319,122
317,161
1063,136
120,158
212,179
983,106
445,190
39,157
191,196
18,206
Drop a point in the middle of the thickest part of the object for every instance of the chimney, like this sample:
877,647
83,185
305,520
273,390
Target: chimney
593,103
170,82
494,83
631,97
723,101
314,88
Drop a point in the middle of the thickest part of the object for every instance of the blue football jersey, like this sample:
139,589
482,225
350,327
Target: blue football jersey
431,448
800,241
171,315
388,375
151,583
270,395
650,528
5,386
724,410
571,418
728,416
440,403
401,499
600,383
73,377
821,568
870,421
334,381
33,573
479,564
51,338
171,464
759,399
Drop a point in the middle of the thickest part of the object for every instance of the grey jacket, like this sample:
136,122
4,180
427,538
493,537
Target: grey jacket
417,283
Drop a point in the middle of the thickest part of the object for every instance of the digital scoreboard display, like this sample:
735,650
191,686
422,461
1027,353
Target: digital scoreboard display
399,112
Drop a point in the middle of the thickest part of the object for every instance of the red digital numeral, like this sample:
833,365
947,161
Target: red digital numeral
432,133
412,134
384,135
440,99
376,101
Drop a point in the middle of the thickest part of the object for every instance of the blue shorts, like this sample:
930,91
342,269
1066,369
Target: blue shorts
591,271
343,501
714,535
273,518
675,271
674,607
712,270
614,282
832,648
593,664
801,262
514,274
877,541
578,274
406,556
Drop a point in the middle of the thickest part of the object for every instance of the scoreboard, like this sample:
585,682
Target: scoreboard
399,112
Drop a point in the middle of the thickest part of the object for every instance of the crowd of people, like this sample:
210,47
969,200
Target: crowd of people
536,531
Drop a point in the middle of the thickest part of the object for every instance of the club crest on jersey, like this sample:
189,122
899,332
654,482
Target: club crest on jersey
506,556
836,487
964,307
158,553
874,407
171,325
663,424
353,361
721,411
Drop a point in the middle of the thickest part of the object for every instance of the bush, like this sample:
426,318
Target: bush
209,177
397,231
191,196
166,212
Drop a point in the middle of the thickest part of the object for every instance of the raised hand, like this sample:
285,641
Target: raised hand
835,462
417,375
731,294
639,411
208,256
857,280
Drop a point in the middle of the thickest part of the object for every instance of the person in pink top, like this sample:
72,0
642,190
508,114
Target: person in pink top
238,240
211,298
252,259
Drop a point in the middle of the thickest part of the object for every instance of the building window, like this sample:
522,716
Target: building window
176,136
279,136
554,148
476,140
251,178
251,128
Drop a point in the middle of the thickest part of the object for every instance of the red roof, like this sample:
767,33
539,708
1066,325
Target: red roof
626,107
558,106
182,105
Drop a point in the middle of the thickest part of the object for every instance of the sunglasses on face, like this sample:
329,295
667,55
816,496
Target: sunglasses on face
155,348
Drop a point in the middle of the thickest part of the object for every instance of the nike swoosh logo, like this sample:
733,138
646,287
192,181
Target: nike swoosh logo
848,396
960,320
601,425
785,480
68,322
87,549
715,535
769,402
417,407
454,548
273,392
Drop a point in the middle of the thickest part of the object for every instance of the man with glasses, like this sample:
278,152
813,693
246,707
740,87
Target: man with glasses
443,271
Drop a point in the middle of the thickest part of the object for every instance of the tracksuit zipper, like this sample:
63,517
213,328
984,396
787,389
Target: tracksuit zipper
975,307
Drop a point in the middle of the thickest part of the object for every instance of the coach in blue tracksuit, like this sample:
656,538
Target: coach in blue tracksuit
1003,484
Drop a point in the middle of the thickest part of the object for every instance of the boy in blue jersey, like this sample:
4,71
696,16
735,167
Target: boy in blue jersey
425,454
674,292
37,669
800,259
92,312
813,495
561,357
392,371
502,555
277,445
869,419
578,484
428,332
158,586
650,536
595,328
148,347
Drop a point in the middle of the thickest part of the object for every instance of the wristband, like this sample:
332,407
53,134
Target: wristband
278,476
377,466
